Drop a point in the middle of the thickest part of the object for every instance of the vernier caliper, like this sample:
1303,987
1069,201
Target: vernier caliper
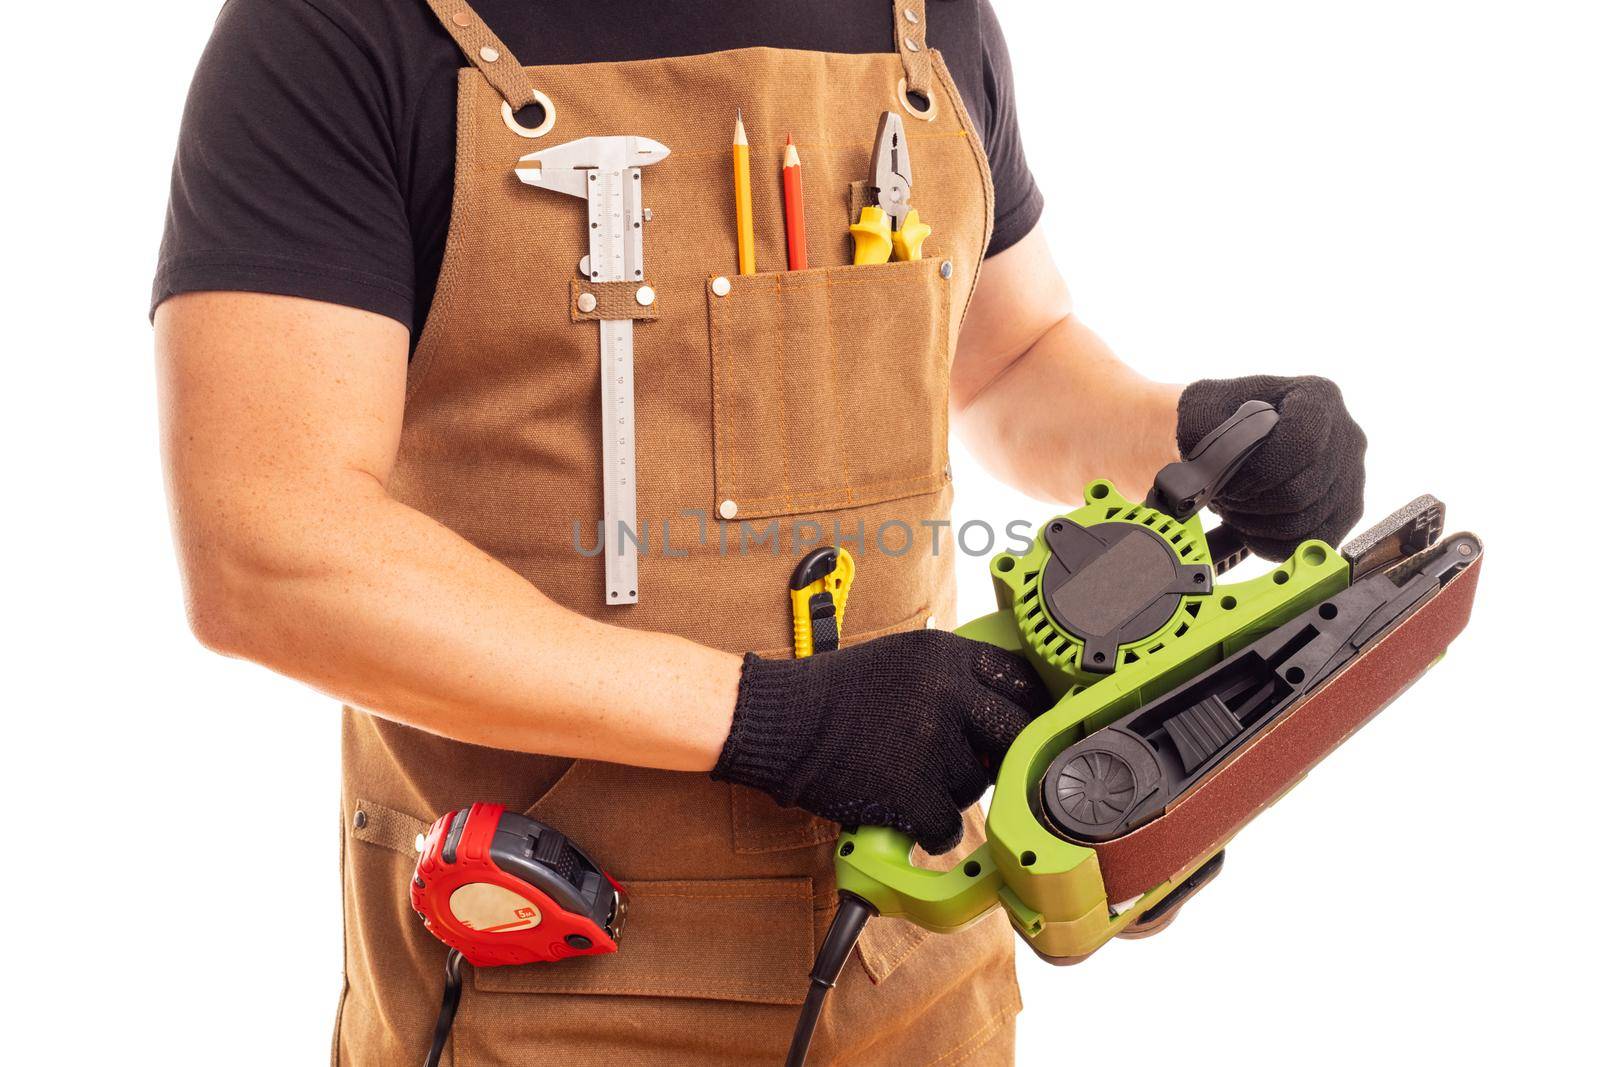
605,172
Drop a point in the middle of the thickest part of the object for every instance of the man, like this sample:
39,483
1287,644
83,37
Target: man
381,425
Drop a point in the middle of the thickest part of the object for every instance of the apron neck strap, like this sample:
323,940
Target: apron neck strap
911,40
487,52
502,70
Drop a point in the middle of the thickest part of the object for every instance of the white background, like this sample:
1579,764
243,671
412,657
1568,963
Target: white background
1399,195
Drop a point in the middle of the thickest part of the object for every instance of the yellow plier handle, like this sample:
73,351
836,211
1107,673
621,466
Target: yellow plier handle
878,242
817,594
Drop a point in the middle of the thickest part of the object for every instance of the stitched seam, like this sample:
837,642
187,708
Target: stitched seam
655,894
575,771
720,155
719,400
976,1040
846,494
980,161
986,1030
941,444
833,376
911,941
748,839
763,848
461,203
759,995
783,390
786,832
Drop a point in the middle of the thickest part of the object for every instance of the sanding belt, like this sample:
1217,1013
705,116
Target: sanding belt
1205,817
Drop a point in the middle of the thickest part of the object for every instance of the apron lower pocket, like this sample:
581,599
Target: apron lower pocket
739,939
829,387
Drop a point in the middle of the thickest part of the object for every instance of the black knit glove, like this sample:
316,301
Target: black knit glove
1307,478
903,731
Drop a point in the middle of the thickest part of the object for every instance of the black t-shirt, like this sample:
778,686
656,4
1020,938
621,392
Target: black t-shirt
317,151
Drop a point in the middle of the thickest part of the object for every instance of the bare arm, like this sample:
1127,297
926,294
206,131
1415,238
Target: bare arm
1041,400
280,423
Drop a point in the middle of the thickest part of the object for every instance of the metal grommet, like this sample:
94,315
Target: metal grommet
360,819
518,128
727,509
911,45
586,302
488,54
721,286
645,295
462,19
926,115
946,269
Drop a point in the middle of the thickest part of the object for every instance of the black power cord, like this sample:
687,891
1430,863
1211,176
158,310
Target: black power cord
447,1009
842,935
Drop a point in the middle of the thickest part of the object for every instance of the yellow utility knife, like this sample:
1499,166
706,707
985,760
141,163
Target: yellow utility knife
817,593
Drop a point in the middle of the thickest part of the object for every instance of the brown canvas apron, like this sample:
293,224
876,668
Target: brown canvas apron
816,397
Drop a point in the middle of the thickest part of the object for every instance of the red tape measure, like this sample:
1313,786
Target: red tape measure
503,889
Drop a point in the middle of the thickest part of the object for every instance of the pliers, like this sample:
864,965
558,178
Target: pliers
889,226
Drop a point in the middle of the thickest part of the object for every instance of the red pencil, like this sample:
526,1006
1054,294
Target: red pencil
794,206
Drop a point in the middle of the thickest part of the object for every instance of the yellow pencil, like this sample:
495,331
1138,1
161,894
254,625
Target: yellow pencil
741,197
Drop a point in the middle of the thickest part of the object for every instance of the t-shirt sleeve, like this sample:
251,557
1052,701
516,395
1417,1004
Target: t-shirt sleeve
285,179
1017,200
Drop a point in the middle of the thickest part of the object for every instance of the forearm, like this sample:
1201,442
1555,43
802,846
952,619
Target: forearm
385,609
1068,411
280,423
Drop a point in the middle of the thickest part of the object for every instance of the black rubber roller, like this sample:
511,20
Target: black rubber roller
1092,790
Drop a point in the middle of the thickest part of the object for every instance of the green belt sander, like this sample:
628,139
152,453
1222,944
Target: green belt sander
1184,706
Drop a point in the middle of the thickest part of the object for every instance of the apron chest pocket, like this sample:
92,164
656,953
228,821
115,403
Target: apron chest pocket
829,387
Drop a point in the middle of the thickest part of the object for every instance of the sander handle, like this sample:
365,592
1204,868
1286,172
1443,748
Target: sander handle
1227,548
1184,487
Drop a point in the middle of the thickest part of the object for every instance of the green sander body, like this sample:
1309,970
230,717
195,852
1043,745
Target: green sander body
1184,705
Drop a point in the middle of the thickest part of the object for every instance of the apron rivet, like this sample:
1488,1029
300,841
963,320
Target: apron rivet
462,19
586,302
360,819
946,269
421,842
727,509
721,286
932,623
489,54
911,45
646,296
911,16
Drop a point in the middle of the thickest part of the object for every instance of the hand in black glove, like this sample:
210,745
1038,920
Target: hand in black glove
1304,481
903,731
